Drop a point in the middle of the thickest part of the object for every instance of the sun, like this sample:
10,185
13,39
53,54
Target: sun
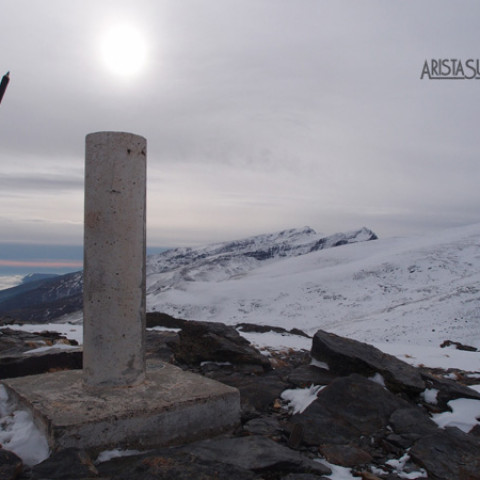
124,50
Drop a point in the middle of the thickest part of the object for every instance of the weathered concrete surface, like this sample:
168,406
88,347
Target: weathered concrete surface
114,259
170,407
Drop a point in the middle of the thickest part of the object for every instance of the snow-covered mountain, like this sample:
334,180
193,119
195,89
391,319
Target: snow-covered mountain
41,300
412,290
224,261
419,289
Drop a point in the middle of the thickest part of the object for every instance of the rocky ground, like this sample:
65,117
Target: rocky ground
379,431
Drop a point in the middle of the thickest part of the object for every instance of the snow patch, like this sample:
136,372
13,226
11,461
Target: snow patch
300,398
430,395
399,466
18,432
107,455
465,414
378,378
319,364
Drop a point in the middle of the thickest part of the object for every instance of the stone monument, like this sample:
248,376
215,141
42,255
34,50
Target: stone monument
114,259
118,400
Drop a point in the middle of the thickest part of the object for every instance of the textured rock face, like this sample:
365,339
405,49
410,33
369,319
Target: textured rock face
345,356
215,342
14,344
449,453
348,409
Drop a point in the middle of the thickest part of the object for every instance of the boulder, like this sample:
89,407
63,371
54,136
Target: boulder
215,342
448,454
412,420
255,453
170,464
347,410
345,356
448,390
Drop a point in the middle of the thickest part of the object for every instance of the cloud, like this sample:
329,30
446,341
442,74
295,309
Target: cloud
259,115
43,264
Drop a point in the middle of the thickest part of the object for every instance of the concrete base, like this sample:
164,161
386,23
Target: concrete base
171,407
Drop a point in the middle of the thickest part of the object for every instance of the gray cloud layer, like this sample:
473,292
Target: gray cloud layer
259,114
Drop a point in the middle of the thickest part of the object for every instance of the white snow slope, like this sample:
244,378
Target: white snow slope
416,290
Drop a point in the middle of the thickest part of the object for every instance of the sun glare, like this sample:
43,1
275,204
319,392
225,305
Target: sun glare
124,50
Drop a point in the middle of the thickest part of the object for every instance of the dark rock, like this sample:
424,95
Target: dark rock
170,464
448,454
11,465
158,319
448,389
268,426
217,342
40,363
14,362
160,345
475,430
295,439
401,441
307,375
458,346
345,455
257,392
253,327
14,342
255,453
345,356
69,463
303,476
346,410
412,420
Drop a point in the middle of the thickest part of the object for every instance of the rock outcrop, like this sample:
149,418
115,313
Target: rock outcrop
379,431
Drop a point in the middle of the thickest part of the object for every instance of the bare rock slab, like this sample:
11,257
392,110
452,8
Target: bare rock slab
255,453
170,407
345,356
449,454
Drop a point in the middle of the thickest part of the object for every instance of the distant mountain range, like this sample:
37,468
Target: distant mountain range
420,290
40,299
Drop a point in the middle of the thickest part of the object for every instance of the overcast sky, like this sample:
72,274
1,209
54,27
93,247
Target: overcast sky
260,115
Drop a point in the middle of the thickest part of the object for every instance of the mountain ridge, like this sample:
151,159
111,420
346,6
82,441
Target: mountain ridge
42,300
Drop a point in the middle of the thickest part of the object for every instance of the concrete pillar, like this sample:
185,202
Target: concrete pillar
114,260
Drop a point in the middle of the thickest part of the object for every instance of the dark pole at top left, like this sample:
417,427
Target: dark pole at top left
3,84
